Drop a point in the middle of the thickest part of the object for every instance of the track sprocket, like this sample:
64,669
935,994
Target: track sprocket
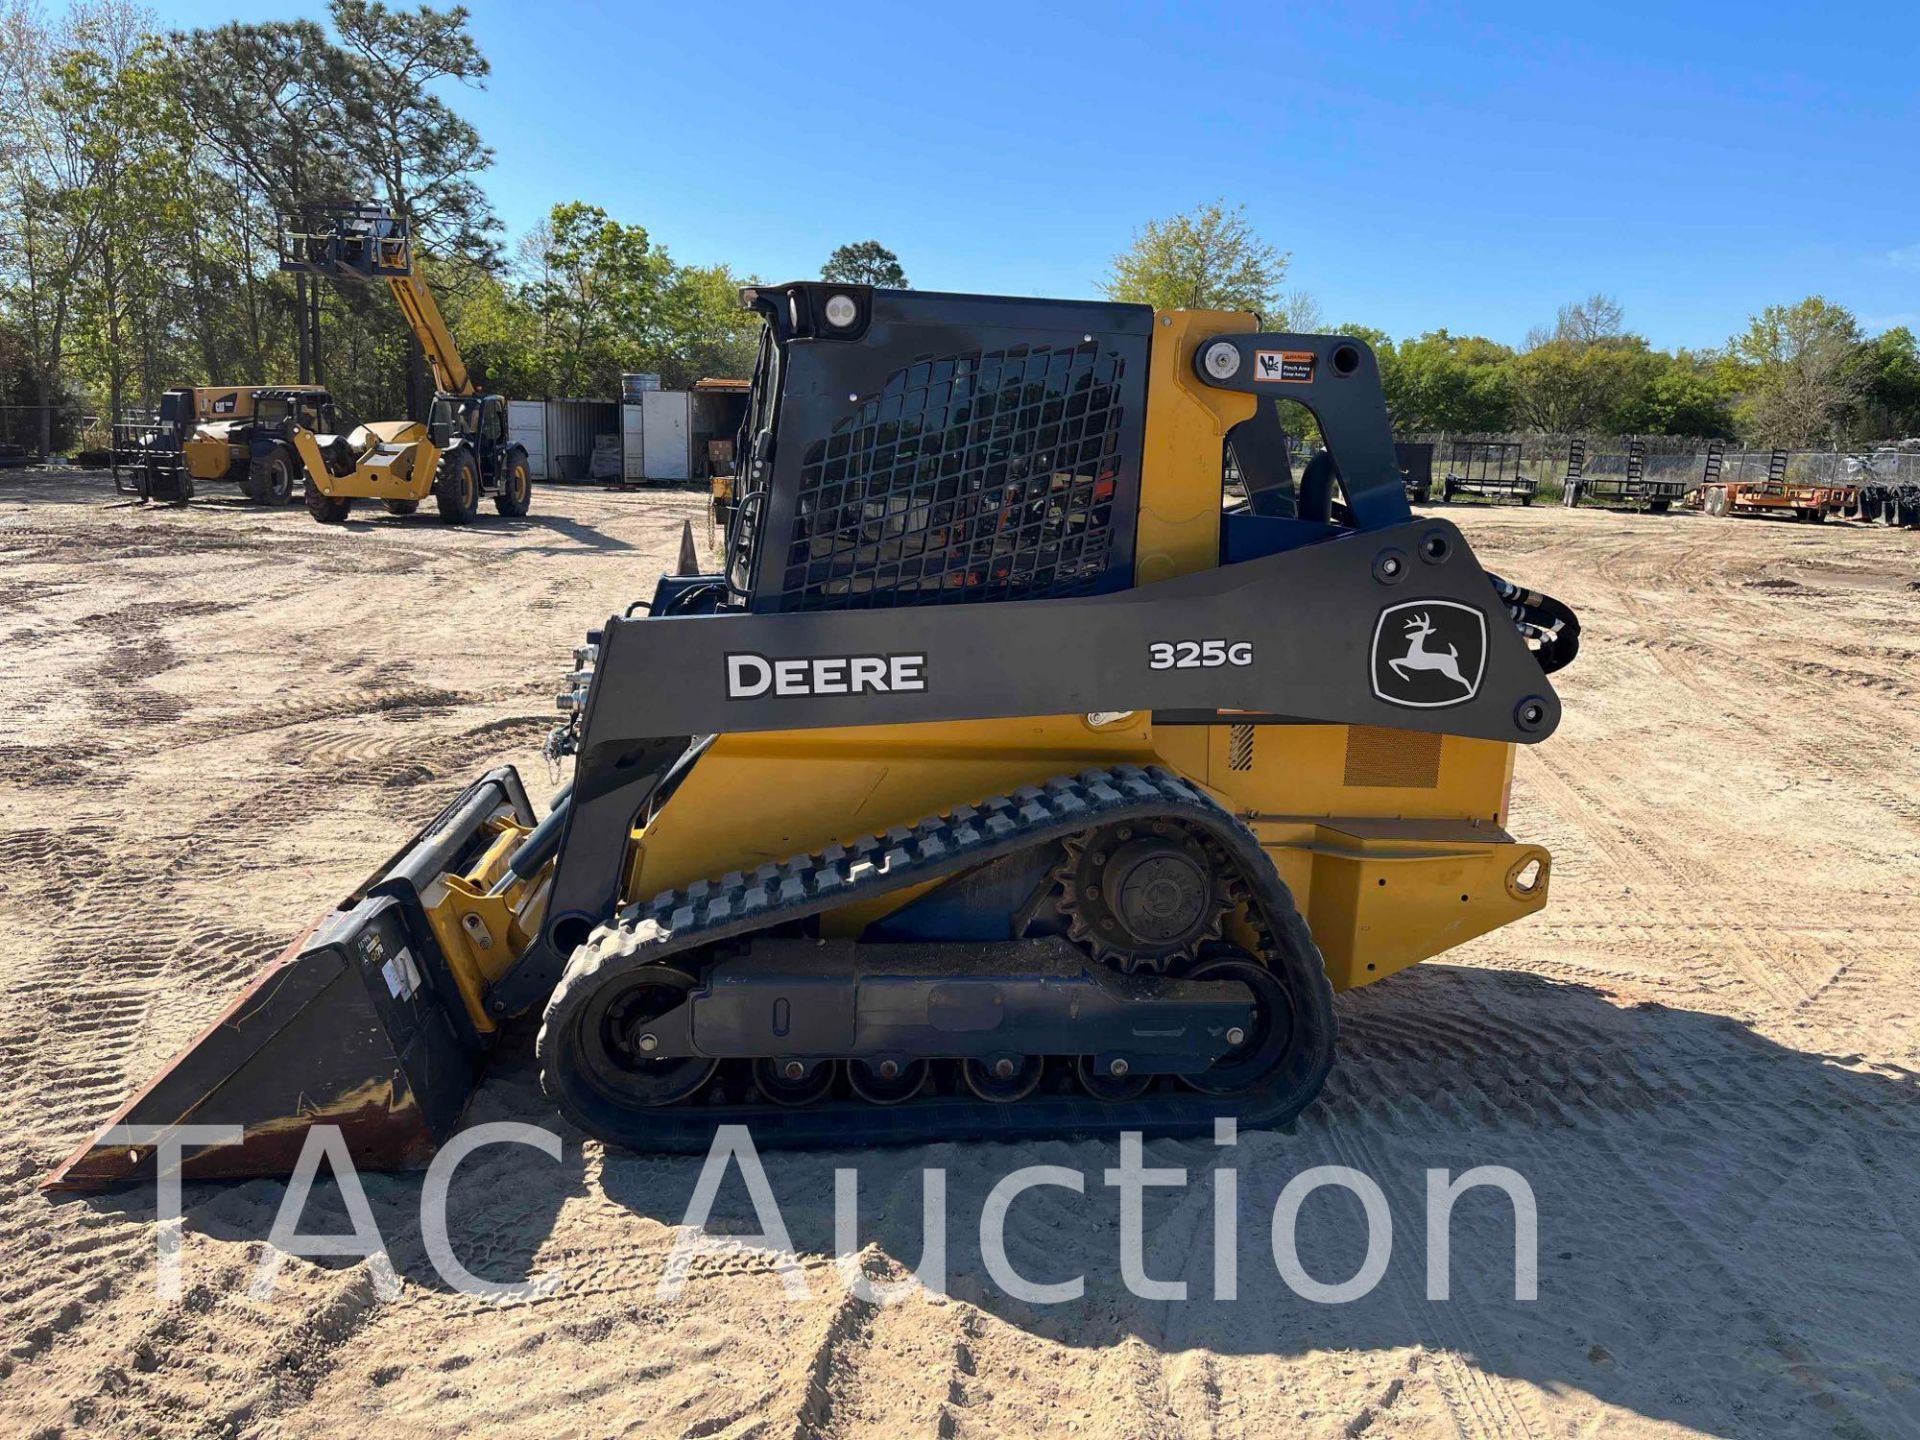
1145,896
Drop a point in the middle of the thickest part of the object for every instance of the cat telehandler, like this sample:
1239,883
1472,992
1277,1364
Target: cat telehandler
463,451
1003,781
207,433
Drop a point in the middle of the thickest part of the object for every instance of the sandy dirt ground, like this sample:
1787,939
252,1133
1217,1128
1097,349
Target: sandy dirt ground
1702,1056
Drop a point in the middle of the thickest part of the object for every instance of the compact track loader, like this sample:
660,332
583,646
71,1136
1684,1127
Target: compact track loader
1003,782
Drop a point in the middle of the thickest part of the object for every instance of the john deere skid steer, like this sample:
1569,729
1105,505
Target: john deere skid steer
1003,782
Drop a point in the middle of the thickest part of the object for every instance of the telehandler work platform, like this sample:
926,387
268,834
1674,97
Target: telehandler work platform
1000,782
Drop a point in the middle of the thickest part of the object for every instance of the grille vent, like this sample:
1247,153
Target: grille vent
1404,759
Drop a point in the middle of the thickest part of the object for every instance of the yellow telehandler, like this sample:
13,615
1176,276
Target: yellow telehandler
463,450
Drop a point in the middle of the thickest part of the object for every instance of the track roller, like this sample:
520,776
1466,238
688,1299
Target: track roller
1004,1080
887,1082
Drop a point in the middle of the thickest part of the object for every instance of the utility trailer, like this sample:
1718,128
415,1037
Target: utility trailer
1631,486
1415,461
1489,469
1725,496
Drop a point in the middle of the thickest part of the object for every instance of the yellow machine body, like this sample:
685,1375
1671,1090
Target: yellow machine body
211,451
394,460
210,455
1392,841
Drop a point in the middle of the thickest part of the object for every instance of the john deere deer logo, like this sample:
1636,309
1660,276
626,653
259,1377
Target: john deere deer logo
1429,653
1418,657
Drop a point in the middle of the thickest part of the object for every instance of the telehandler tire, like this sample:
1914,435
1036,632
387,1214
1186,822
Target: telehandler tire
270,478
515,495
456,489
324,508
401,507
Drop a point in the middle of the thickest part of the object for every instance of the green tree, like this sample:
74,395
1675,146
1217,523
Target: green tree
271,130
1689,396
424,157
1565,386
1207,259
117,87
49,215
500,336
1886,370
1585,372
865,262
598,297
706,330
20,390
1456,383
1801,377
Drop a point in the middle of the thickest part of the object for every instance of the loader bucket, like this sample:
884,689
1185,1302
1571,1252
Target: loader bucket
357,1024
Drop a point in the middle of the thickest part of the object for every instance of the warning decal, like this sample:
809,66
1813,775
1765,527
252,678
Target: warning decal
1294,367
403,976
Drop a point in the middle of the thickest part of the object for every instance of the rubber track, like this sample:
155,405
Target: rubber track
678,921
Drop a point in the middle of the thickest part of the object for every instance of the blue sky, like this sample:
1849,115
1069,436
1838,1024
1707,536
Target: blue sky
1468,165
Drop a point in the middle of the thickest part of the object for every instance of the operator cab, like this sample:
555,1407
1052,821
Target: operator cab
477,419
309,410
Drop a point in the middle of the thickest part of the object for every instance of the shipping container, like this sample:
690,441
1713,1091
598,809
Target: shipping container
719,407
572,429
560,435
664,434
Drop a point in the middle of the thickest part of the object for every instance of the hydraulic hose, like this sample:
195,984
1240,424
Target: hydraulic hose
1549,623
